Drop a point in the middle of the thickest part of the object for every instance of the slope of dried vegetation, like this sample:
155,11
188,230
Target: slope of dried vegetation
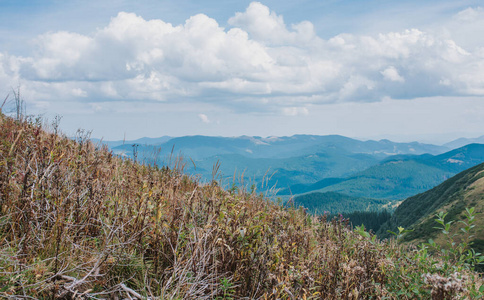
78,222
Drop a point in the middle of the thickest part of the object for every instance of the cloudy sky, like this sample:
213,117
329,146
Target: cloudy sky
404,70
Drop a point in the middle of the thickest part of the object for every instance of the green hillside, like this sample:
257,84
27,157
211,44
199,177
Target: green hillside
402,176
392,180
417,213
305,188
459,159
333,203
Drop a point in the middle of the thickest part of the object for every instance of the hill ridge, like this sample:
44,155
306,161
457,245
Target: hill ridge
452,196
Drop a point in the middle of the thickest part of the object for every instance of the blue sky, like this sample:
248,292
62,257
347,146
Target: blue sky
404,70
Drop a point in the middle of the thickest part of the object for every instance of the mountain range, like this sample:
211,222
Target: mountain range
464,141
198,147
401,176
296,159
302,164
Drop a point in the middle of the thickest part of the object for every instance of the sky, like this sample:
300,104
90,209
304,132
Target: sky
402,70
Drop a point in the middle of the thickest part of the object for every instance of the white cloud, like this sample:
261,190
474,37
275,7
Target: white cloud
465,28
260,63
77,92
8,72
267,27
295,111
391,73
204,118
470,14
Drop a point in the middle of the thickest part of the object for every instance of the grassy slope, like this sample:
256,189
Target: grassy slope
76,220
392,180
466,189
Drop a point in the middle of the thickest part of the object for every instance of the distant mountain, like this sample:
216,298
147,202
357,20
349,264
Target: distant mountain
459,159
298,159
465,189
200,147
141,141
403,176
392,180
284,172
464,141
332,203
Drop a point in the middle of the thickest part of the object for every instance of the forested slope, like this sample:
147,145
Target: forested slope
453,196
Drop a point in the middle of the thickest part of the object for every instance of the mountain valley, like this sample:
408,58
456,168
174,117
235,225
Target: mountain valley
303,166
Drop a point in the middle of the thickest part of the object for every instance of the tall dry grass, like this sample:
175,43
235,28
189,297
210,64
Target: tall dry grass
78,222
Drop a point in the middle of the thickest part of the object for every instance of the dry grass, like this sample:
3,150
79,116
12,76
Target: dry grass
78,222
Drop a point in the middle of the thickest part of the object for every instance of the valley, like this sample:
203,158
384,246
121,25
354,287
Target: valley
379,173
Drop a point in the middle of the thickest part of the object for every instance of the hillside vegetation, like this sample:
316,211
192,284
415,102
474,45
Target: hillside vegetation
78,222
453,196
331,202
395,178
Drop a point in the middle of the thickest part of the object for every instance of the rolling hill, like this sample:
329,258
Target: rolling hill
402,176
298,159
464,190
333,203
464,141
199,147
289,171
140,141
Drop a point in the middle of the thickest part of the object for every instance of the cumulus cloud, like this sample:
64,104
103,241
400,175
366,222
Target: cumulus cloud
260,60
391,73
77,92
470,14
8,70
267,27
295,111
465,26
204,118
